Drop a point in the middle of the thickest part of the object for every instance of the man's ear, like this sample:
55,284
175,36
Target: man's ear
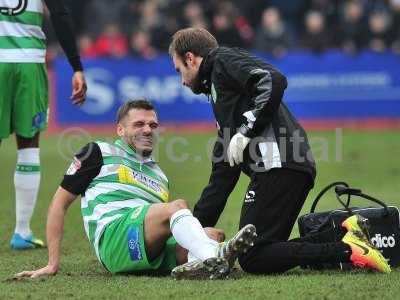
120,130
189,58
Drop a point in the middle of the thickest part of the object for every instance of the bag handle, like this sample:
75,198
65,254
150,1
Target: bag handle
342,188
327,188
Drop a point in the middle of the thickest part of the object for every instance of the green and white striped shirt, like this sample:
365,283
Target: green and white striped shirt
125,180
21,36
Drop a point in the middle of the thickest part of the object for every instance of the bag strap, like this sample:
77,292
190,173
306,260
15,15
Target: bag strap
342,188
324,190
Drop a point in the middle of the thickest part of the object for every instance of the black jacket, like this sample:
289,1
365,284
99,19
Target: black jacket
246,96
62,24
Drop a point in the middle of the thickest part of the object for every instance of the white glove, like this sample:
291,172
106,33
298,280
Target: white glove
236,148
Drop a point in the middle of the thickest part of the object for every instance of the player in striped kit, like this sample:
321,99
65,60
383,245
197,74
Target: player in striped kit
24,95
127,217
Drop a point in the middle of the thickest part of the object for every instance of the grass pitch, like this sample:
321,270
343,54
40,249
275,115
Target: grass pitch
368,160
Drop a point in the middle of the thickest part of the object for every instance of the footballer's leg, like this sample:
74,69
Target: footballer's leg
142,240
29,117
26,181
175,218
213,233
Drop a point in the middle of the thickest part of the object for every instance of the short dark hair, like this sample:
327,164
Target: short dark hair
125,108
196,40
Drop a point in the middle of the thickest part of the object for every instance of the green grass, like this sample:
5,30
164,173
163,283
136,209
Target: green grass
370,161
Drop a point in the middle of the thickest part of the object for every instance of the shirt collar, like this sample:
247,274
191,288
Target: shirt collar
205,70
132,152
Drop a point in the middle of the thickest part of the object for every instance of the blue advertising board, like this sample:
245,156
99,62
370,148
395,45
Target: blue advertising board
330,85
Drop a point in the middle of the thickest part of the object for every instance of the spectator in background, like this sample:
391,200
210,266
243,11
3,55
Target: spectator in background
373,5
111,42
316,37
129,16
292,11
100,13
156,23
251,10
273,36
193,15
395,8
223,25
140,45
233,23
329,7
246,15
352,35
379,31
150,16
86,46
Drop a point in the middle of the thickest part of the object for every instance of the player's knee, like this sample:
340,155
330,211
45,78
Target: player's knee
178,205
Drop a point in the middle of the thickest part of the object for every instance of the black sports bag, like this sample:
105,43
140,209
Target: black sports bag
325,226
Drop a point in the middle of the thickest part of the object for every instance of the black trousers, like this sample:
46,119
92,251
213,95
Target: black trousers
272,203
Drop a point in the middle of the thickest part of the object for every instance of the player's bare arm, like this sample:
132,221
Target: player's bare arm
54,230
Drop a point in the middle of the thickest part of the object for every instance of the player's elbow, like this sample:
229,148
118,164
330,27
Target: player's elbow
62,199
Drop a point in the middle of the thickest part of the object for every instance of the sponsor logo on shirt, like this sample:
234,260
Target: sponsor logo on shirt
134,244
127,175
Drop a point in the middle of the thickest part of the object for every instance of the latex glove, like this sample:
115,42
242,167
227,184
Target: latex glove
236,147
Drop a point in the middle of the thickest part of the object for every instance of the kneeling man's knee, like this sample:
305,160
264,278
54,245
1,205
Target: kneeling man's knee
253,262
246,264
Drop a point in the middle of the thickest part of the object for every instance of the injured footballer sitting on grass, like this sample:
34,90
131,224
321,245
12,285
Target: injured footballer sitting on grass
127,218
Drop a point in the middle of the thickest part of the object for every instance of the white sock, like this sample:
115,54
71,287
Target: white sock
189,233
26,181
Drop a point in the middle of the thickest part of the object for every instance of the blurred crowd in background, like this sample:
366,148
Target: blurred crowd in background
143,28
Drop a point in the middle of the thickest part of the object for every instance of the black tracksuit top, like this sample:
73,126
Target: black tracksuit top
246,96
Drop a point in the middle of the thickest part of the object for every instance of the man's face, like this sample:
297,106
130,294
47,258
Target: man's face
188,70
138,130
